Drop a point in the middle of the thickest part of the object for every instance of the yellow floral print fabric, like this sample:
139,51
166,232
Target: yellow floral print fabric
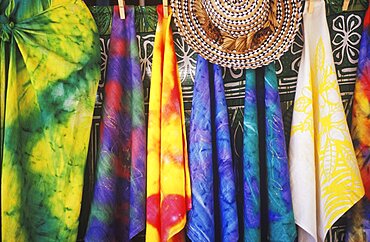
325,179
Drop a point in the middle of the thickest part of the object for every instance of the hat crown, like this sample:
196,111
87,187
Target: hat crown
237,17
238,33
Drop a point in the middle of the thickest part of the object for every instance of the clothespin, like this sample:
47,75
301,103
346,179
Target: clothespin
345,5
310,6
121,6
165,8
142,3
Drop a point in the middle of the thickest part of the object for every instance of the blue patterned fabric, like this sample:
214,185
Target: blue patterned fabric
210,160
281,220
264,152
251,171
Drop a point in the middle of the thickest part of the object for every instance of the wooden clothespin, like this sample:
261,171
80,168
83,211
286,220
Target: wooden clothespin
121,6
345,5
310,6
165,8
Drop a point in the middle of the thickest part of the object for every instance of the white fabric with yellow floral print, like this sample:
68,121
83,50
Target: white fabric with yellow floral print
325,179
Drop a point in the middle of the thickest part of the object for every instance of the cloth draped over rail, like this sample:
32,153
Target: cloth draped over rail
47,96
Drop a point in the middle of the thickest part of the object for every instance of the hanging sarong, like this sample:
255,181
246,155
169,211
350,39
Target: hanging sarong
267,210
49,70
251,164
359,224
118,207
168,181
214,212
325,178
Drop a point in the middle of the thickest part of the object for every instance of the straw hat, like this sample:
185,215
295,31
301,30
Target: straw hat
238,33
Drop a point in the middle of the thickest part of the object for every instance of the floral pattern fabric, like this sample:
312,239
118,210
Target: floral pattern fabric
359,218
325,179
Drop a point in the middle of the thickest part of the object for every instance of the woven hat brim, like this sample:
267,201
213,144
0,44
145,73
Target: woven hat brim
289,17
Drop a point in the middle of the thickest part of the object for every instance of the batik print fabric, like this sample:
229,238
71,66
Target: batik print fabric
280,212
214,211
49,75
118,207
168,181
359,224
325,178
251,164
265,164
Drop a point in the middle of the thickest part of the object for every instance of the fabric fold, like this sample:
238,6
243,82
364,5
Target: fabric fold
267,196
2,96
226,179
214,211
251,169
325,178
48,103
281,219
118,205
359,221
168,181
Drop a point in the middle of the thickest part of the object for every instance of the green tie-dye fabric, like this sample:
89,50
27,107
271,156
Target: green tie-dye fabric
49,71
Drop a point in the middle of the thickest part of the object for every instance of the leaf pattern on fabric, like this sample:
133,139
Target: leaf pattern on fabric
251,169
287,69
281,220
325,179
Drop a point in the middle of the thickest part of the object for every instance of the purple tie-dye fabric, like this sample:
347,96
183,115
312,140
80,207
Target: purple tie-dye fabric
118,207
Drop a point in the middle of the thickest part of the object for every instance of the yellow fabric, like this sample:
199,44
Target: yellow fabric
325,179
47,97
168,181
